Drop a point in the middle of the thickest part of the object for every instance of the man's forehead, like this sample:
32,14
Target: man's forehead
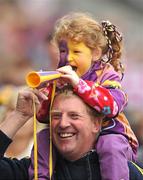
60,111
56,111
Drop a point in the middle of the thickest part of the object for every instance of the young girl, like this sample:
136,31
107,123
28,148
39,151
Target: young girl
90,60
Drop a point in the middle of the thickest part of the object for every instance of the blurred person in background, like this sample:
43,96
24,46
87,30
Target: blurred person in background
139,133
14,65
24,45
12,80
136,121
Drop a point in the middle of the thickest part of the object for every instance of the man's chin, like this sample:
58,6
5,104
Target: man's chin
66,152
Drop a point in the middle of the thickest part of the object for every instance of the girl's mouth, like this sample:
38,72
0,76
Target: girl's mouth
74,68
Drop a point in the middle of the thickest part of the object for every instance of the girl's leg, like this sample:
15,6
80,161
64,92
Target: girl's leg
114,151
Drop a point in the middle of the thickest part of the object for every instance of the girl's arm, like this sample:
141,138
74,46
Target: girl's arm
107,100
105,96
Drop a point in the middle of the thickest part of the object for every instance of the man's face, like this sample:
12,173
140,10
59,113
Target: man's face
78,55
73,130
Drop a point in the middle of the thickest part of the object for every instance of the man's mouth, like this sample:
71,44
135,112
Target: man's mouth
66,135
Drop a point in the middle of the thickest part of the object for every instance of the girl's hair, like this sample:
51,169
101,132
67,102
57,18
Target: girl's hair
82,27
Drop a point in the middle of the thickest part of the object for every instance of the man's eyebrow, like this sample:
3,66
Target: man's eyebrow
55,111
75,112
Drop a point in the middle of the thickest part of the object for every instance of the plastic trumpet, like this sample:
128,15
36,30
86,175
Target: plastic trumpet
36,78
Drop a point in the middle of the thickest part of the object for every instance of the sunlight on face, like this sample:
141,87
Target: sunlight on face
78,55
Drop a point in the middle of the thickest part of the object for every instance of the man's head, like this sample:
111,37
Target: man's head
75,125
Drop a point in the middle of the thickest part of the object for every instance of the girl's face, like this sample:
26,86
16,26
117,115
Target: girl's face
78,55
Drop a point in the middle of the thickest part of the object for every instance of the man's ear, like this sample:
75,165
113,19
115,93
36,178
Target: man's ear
97,52
97,124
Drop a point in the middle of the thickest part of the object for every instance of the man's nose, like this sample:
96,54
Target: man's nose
64,122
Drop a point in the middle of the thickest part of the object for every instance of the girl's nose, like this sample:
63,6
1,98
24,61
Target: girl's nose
70,57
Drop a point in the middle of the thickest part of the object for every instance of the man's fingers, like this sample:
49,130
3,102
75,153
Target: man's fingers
40,95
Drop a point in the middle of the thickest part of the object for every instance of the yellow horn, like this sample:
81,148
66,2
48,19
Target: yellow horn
35,78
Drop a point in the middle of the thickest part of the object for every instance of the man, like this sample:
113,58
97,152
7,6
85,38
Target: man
74,128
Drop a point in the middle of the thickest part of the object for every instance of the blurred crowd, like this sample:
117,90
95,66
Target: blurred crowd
25,34
24,46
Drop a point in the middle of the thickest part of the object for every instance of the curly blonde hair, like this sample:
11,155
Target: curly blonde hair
81,27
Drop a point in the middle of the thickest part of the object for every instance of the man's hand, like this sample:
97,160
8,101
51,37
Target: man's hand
26,100
23,111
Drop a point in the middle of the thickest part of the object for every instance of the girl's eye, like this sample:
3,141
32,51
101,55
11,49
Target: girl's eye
62,51
76,52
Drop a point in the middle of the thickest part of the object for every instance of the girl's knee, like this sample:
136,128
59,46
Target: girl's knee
112,144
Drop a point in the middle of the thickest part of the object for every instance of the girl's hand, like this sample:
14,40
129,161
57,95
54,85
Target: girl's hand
68,75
